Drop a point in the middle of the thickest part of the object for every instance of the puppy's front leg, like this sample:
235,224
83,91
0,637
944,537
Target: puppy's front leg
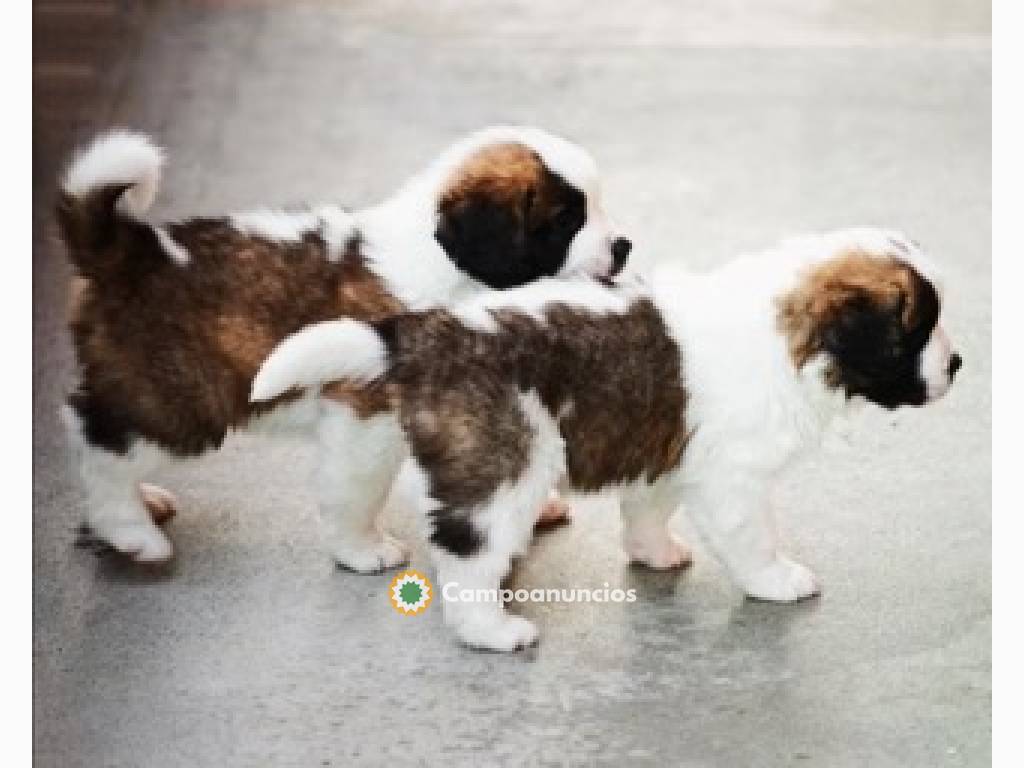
358,461
732,512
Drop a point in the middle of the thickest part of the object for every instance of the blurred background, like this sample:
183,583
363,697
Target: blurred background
719,127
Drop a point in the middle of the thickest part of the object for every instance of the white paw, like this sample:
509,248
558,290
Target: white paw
142,541
498,632
371,555
161,503
660,552
783,581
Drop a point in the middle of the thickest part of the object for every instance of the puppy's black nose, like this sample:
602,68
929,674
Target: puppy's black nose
955,364
620,251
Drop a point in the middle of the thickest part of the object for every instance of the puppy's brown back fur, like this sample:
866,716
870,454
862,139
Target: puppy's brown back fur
169,352
612,381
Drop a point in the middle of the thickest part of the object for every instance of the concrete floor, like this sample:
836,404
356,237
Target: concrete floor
719,127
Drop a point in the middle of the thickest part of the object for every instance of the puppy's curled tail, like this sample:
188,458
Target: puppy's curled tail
113,178
330,351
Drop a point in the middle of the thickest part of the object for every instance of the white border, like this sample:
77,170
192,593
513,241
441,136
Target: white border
1007,254
16,309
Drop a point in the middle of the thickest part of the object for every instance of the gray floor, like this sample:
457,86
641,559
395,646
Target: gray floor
719,127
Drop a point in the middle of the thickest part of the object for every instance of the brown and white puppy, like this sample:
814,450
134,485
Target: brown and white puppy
698,390
172,321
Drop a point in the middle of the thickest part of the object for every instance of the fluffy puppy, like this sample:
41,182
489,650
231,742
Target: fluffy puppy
171,321
697,391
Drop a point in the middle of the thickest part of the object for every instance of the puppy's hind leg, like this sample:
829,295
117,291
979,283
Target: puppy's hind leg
115,511
473,548
159,501
555,512
359,458
645,533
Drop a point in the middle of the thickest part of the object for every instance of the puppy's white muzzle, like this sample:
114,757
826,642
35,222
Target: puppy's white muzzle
939,364
597,250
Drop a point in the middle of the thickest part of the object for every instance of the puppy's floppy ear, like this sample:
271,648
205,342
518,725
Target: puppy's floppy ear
860,328
485,234
872,316
881,324
484,214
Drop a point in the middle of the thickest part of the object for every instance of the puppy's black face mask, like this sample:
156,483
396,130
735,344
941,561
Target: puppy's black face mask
508,221
875,343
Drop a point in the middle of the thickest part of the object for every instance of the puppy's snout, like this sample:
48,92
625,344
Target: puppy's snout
620,252
955,364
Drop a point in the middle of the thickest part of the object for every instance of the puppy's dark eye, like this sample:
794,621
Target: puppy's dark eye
559,214
565,218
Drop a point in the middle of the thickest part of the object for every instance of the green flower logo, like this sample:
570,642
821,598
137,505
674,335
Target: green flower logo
410,593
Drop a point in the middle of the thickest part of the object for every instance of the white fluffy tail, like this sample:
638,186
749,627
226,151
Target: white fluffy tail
321,353
117,159
107,186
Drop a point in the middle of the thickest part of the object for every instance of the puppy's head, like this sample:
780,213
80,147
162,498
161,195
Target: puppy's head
871,310
516,204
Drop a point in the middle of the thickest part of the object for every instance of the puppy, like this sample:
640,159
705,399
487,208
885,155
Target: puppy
697,391
171,321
